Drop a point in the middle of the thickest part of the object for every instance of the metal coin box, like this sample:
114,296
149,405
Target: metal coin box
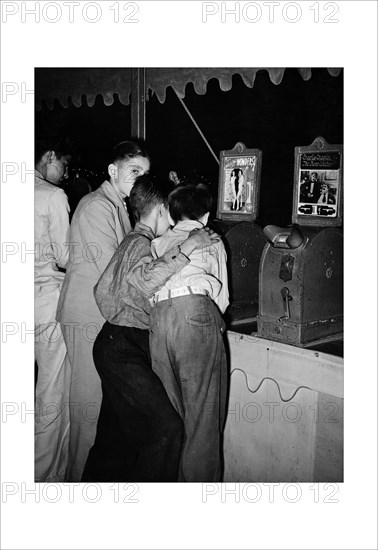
301,285
244,243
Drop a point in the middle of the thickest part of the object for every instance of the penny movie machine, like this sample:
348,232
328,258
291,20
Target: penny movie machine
238,202
301,269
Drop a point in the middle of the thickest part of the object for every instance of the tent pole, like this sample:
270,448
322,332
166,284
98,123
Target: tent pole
198,128
138,103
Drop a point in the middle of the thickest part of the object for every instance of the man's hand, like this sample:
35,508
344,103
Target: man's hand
198,238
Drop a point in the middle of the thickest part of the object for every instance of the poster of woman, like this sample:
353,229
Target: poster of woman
239,181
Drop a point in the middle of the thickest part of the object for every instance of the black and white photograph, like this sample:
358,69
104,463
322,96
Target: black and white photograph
176,275
150,370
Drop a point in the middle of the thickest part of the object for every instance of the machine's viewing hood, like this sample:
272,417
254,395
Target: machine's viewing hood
283,237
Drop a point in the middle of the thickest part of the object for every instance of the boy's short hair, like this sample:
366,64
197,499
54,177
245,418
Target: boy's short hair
146,193
127,150
190,201
61,146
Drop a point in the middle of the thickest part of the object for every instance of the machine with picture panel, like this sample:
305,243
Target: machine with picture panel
238,205
318,189
239,184
301,270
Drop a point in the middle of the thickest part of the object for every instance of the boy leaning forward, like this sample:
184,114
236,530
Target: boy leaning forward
186,336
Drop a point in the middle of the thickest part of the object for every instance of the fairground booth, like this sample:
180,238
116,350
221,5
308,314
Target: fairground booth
269,142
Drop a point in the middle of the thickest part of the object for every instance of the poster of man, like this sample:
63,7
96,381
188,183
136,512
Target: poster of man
318,188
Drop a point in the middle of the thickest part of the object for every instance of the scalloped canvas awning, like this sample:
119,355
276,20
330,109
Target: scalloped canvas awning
61,84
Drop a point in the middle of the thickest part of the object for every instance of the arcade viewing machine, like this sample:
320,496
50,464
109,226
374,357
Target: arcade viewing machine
286,283
285,322
238,202
301,269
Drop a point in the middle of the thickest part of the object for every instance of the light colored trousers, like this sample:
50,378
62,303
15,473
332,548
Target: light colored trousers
85,394
51,424
188,355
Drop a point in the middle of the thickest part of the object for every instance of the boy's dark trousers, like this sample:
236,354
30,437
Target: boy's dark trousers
139,433
188,354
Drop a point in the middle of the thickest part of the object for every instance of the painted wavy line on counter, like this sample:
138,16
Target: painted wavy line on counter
273,380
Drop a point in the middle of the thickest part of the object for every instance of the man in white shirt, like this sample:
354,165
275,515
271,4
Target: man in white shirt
51,226
186,336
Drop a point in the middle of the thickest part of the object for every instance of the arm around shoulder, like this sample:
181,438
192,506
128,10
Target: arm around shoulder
148,275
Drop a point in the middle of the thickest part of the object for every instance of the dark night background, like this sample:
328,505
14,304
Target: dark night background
274,118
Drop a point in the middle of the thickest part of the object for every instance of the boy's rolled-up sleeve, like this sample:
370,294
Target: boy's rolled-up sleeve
148,275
